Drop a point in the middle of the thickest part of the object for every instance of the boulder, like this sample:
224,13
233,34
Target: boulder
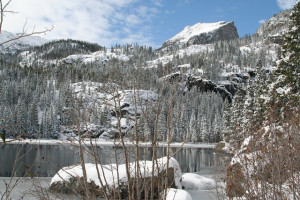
109,179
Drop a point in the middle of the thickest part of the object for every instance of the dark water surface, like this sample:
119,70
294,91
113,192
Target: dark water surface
45,160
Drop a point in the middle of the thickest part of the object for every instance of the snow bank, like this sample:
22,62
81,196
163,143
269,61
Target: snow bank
192,181
178,194
108,173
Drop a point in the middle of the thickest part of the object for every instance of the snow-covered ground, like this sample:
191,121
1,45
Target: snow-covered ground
30,189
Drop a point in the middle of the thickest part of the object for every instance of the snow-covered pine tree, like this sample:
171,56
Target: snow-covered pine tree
237,116
289,69
286,90
259,90
227,114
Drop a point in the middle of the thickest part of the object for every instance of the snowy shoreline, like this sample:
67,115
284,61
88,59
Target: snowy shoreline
110,143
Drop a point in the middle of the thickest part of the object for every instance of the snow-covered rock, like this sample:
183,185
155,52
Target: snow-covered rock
178,194
204,33
192,181
109,176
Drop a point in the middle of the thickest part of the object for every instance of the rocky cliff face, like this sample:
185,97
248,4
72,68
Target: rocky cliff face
226,32
204,33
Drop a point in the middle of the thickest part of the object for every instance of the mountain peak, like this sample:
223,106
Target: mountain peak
203,33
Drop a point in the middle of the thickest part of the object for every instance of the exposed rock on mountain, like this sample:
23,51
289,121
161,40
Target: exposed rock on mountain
226,88
204,33
208,86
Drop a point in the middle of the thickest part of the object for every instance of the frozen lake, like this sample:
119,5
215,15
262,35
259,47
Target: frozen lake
45,160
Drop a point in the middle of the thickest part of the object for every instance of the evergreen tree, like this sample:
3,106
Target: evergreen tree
237,116
290,65
227,114
285,93
258,88
33,119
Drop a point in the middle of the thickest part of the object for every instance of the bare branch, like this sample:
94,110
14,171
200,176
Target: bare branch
24,34
5,6
3,9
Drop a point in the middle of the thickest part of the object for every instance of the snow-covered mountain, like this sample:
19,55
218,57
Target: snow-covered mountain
19,44
200,59
204,33
276,25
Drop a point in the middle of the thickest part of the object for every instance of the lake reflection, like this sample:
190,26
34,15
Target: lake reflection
46,160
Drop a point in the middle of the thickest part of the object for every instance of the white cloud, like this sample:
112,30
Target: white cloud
158,2
262,21
92,20
286,4
132,20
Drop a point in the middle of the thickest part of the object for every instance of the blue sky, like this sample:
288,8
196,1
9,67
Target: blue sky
146,22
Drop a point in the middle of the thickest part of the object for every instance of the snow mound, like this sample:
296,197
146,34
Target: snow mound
194,30
178,194
192,181
109,173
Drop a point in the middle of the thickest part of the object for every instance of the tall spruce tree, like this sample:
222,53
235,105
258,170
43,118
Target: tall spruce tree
289,68
286,90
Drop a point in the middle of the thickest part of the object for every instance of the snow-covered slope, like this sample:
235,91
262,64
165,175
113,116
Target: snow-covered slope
20,43
202,33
